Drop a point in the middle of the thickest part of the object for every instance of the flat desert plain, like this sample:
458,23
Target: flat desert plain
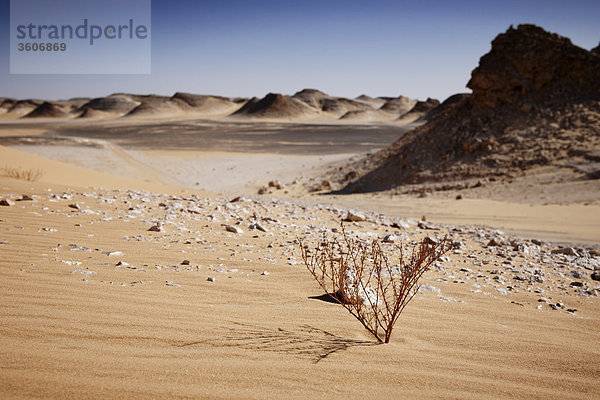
142,264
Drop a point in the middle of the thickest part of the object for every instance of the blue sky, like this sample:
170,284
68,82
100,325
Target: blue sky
249,48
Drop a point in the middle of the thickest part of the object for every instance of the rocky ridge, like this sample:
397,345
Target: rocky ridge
535,103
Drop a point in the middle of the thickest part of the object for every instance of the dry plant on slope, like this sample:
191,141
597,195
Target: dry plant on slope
360,277
30,174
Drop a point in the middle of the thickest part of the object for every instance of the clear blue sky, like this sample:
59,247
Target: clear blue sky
249,48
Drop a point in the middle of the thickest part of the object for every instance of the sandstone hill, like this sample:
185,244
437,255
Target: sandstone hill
421,109
275,106
47,110
113,105
535,103
19,108
305,105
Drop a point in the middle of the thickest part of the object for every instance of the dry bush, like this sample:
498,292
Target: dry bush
30,174
360,276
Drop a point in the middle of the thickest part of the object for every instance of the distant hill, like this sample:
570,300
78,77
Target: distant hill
305,105
47,110
535,102
400,105
420,110
19,108
208,105
113,105
276,106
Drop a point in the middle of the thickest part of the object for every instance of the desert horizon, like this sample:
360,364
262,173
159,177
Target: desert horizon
178,246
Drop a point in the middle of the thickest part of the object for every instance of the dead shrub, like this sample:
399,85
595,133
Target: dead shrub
30,174
360,277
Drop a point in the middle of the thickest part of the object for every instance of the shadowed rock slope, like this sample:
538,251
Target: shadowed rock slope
47,110
535,102
276,106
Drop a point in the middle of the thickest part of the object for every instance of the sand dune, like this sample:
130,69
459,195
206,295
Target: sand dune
98,306
60,173
116,283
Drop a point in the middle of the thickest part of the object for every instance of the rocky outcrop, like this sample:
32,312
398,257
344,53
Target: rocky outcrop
535,102
531,66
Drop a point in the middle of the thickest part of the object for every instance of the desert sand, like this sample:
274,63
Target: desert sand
157,255
96,305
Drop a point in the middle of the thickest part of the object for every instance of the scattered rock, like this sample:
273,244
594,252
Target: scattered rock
6,202
427,226
494,243
258,226
400,224
353,216
156,228
596,275
569,251
275,185
390,239
579,274
211,279
81,271
429,288
234,229
325,185
430,240
75,206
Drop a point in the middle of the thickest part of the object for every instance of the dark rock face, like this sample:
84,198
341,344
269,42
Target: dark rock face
530,64
535,102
